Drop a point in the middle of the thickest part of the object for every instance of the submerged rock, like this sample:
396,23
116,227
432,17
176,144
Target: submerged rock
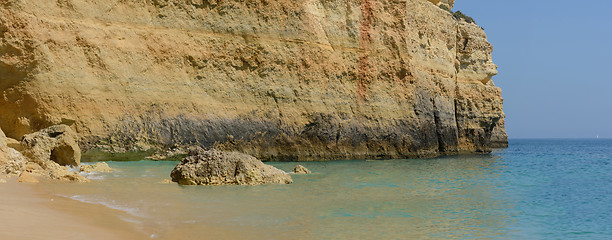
98,167
168,154
213,167
299,169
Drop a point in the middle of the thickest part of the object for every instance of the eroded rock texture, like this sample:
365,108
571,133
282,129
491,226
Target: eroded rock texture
12,162
214,167
56,143
279,80
41,155
299,169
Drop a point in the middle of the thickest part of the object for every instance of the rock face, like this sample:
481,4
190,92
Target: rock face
217,168
279,80
12,162
447,3
3,139
58,143
299,169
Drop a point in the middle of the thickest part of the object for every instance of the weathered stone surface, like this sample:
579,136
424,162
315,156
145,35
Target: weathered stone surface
447,3
98,167
479,103
168,154
2,139
279,80
12,162
40,148
34,168
299,169
12,143
26,177
58,143
217,168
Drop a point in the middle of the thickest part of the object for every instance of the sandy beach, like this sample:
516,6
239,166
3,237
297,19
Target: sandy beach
27,212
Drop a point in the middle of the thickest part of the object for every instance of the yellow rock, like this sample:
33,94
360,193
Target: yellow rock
98,167
26,177
299,169
73,177
12,143
285,80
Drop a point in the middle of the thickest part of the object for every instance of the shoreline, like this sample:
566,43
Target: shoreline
28,212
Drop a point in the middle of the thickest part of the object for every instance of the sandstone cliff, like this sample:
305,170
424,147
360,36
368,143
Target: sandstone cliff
274,79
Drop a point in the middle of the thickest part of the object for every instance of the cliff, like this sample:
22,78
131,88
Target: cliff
280,80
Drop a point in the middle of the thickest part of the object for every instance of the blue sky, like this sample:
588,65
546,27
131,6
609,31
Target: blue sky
555,64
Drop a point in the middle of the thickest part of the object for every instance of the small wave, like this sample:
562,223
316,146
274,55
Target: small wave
130,220
111,204
92,175
73,169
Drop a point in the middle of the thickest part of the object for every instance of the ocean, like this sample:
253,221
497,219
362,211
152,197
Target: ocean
535,189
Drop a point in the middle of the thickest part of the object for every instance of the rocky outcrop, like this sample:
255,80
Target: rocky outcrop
299,169
279,80
97,167
448,3
41,149
218,168
58,143
12,162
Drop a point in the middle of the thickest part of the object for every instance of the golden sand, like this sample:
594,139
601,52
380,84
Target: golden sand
27,212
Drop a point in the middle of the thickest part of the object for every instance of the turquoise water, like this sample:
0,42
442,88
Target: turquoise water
535,189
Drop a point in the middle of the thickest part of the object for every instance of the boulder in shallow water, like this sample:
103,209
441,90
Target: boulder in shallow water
98,167
299,169
214,167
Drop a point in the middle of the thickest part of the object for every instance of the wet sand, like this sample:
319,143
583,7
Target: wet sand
28,212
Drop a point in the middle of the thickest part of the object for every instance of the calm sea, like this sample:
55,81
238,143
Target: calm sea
535,189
